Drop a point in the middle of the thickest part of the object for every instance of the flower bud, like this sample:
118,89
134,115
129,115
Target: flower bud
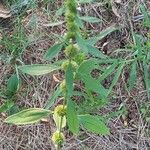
80,58
71,35
72,26
71,51
58,137
65,65
71,5
60,110
70,17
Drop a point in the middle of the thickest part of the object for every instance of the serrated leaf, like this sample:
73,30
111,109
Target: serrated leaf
81,43
108,71
96,52
103,34
93,124
90,19
72,118
79,22
28,116
69,80
85,47
55,49
92,84
38,69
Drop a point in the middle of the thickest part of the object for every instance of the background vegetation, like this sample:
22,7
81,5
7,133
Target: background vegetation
120,61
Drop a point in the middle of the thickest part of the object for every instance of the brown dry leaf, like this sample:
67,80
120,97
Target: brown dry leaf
3,12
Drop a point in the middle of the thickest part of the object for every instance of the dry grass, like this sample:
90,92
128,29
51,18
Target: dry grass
127,133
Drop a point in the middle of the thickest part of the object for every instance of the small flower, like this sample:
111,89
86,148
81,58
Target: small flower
70,17
71,51
60,110
71,5
71,35
66,63
72,26
80,58
58,137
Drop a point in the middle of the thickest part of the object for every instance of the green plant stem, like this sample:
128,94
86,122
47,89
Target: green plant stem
69,59
61,121
58,147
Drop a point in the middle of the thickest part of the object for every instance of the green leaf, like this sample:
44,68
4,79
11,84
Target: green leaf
60,11
28,116
108,71
59,121
133,75
116,77
85,47
69,80
6,106
102,35
79,22
96,52
146,15
92,84
13,84
90,19
93,124
38,69
13,110
82,44
121,111
55,49
146,78
53,98
72,118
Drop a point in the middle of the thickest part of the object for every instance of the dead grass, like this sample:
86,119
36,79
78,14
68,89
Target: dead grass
127,133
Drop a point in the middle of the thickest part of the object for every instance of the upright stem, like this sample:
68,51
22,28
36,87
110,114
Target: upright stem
72,29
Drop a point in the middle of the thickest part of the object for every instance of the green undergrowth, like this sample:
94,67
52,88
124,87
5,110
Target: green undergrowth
84,89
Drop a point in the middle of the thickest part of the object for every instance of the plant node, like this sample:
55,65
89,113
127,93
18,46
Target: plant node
60,110
58,138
